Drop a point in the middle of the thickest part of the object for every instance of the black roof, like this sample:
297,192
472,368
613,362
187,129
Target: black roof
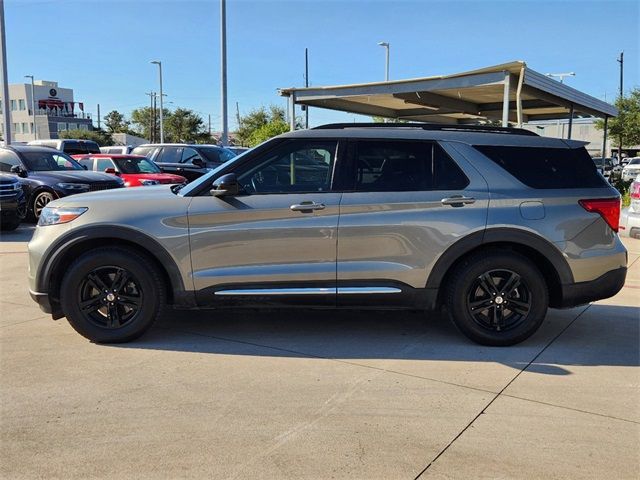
29,148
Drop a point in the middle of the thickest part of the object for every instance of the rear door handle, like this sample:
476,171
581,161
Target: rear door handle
457,201
307,206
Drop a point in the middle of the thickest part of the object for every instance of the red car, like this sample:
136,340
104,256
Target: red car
135,170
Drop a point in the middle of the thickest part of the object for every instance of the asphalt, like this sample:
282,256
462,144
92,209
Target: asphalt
318,395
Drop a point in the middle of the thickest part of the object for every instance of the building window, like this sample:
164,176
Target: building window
83,126
62,127
14,105
31,127
16,127
73,126
22,104
25,127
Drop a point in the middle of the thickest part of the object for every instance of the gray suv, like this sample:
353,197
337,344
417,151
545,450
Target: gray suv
493,225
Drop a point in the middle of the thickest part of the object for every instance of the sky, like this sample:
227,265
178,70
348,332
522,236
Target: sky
102,48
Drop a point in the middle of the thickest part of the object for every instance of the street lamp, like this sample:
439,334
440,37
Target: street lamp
386,69
561,75
33,108
159,63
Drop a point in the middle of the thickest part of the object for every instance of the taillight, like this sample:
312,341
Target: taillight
608,208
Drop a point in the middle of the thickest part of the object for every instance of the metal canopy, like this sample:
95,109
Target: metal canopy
510,93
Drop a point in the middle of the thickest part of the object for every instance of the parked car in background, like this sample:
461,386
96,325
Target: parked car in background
135,170
13,204
494,224
117,149
238,150
48,174
630,217
190,161
69,146
631,170
604,166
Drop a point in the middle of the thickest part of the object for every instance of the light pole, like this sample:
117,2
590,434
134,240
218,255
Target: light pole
6,113
386,67
33,107
223,72
159,63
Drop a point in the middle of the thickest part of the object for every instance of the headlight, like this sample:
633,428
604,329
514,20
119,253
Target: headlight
73,186
58,215
149,182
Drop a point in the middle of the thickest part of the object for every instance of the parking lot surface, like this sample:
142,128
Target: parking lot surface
318,394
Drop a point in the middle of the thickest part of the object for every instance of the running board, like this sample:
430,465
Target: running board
310,291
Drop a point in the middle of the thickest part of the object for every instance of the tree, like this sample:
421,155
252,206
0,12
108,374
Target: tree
116,122
142,120
261,124
185,126
101,137
627,124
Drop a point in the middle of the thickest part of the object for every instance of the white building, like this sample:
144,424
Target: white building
55,108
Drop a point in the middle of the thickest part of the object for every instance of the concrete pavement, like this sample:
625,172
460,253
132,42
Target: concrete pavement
318,395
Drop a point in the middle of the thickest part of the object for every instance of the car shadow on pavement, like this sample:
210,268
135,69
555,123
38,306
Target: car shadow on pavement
602,335
22,234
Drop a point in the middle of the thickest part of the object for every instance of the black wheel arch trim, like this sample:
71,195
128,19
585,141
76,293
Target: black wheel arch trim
146,243
499,235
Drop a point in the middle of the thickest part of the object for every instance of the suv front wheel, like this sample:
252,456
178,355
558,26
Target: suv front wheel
497,298
112,295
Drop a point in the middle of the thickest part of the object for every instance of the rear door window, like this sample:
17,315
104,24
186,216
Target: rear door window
404,166
547,168
169,155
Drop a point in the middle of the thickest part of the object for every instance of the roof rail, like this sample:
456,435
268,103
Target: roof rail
430,126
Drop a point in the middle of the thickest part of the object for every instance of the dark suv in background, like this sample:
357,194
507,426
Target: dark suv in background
47,174
190,161
69,146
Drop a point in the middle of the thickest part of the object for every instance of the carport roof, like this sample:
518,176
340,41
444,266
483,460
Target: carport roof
460,98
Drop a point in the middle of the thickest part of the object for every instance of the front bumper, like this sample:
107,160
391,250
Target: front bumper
604,286
43,301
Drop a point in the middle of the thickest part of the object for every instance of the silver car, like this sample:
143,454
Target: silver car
494,225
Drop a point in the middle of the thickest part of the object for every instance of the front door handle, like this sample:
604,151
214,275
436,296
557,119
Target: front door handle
307,206
458,201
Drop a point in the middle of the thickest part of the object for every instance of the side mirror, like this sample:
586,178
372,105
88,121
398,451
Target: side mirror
198,162
112,171
226,185
18,170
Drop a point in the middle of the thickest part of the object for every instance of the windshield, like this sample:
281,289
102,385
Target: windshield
46,161
136,165
217,154
635,161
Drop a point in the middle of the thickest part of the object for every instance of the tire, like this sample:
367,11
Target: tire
476,303
40,200
112,295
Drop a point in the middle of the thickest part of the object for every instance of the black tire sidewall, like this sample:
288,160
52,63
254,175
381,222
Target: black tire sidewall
145,274
467,273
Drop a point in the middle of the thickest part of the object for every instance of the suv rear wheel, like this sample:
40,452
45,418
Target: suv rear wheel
497,298
112,295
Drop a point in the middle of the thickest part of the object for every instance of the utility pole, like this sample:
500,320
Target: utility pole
306,84
223,67
386,45
98,116
159,63
238,114
6,112
621,62
33,107
209,125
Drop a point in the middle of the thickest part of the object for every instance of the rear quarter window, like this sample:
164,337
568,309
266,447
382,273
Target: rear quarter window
547,168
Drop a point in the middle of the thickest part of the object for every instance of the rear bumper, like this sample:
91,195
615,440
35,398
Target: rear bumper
605,286
42,299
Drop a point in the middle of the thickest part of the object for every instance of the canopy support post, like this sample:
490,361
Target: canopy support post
570,122
505,99
292,111
519,98
604,139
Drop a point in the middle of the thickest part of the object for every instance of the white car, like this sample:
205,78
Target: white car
630,217
631,170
